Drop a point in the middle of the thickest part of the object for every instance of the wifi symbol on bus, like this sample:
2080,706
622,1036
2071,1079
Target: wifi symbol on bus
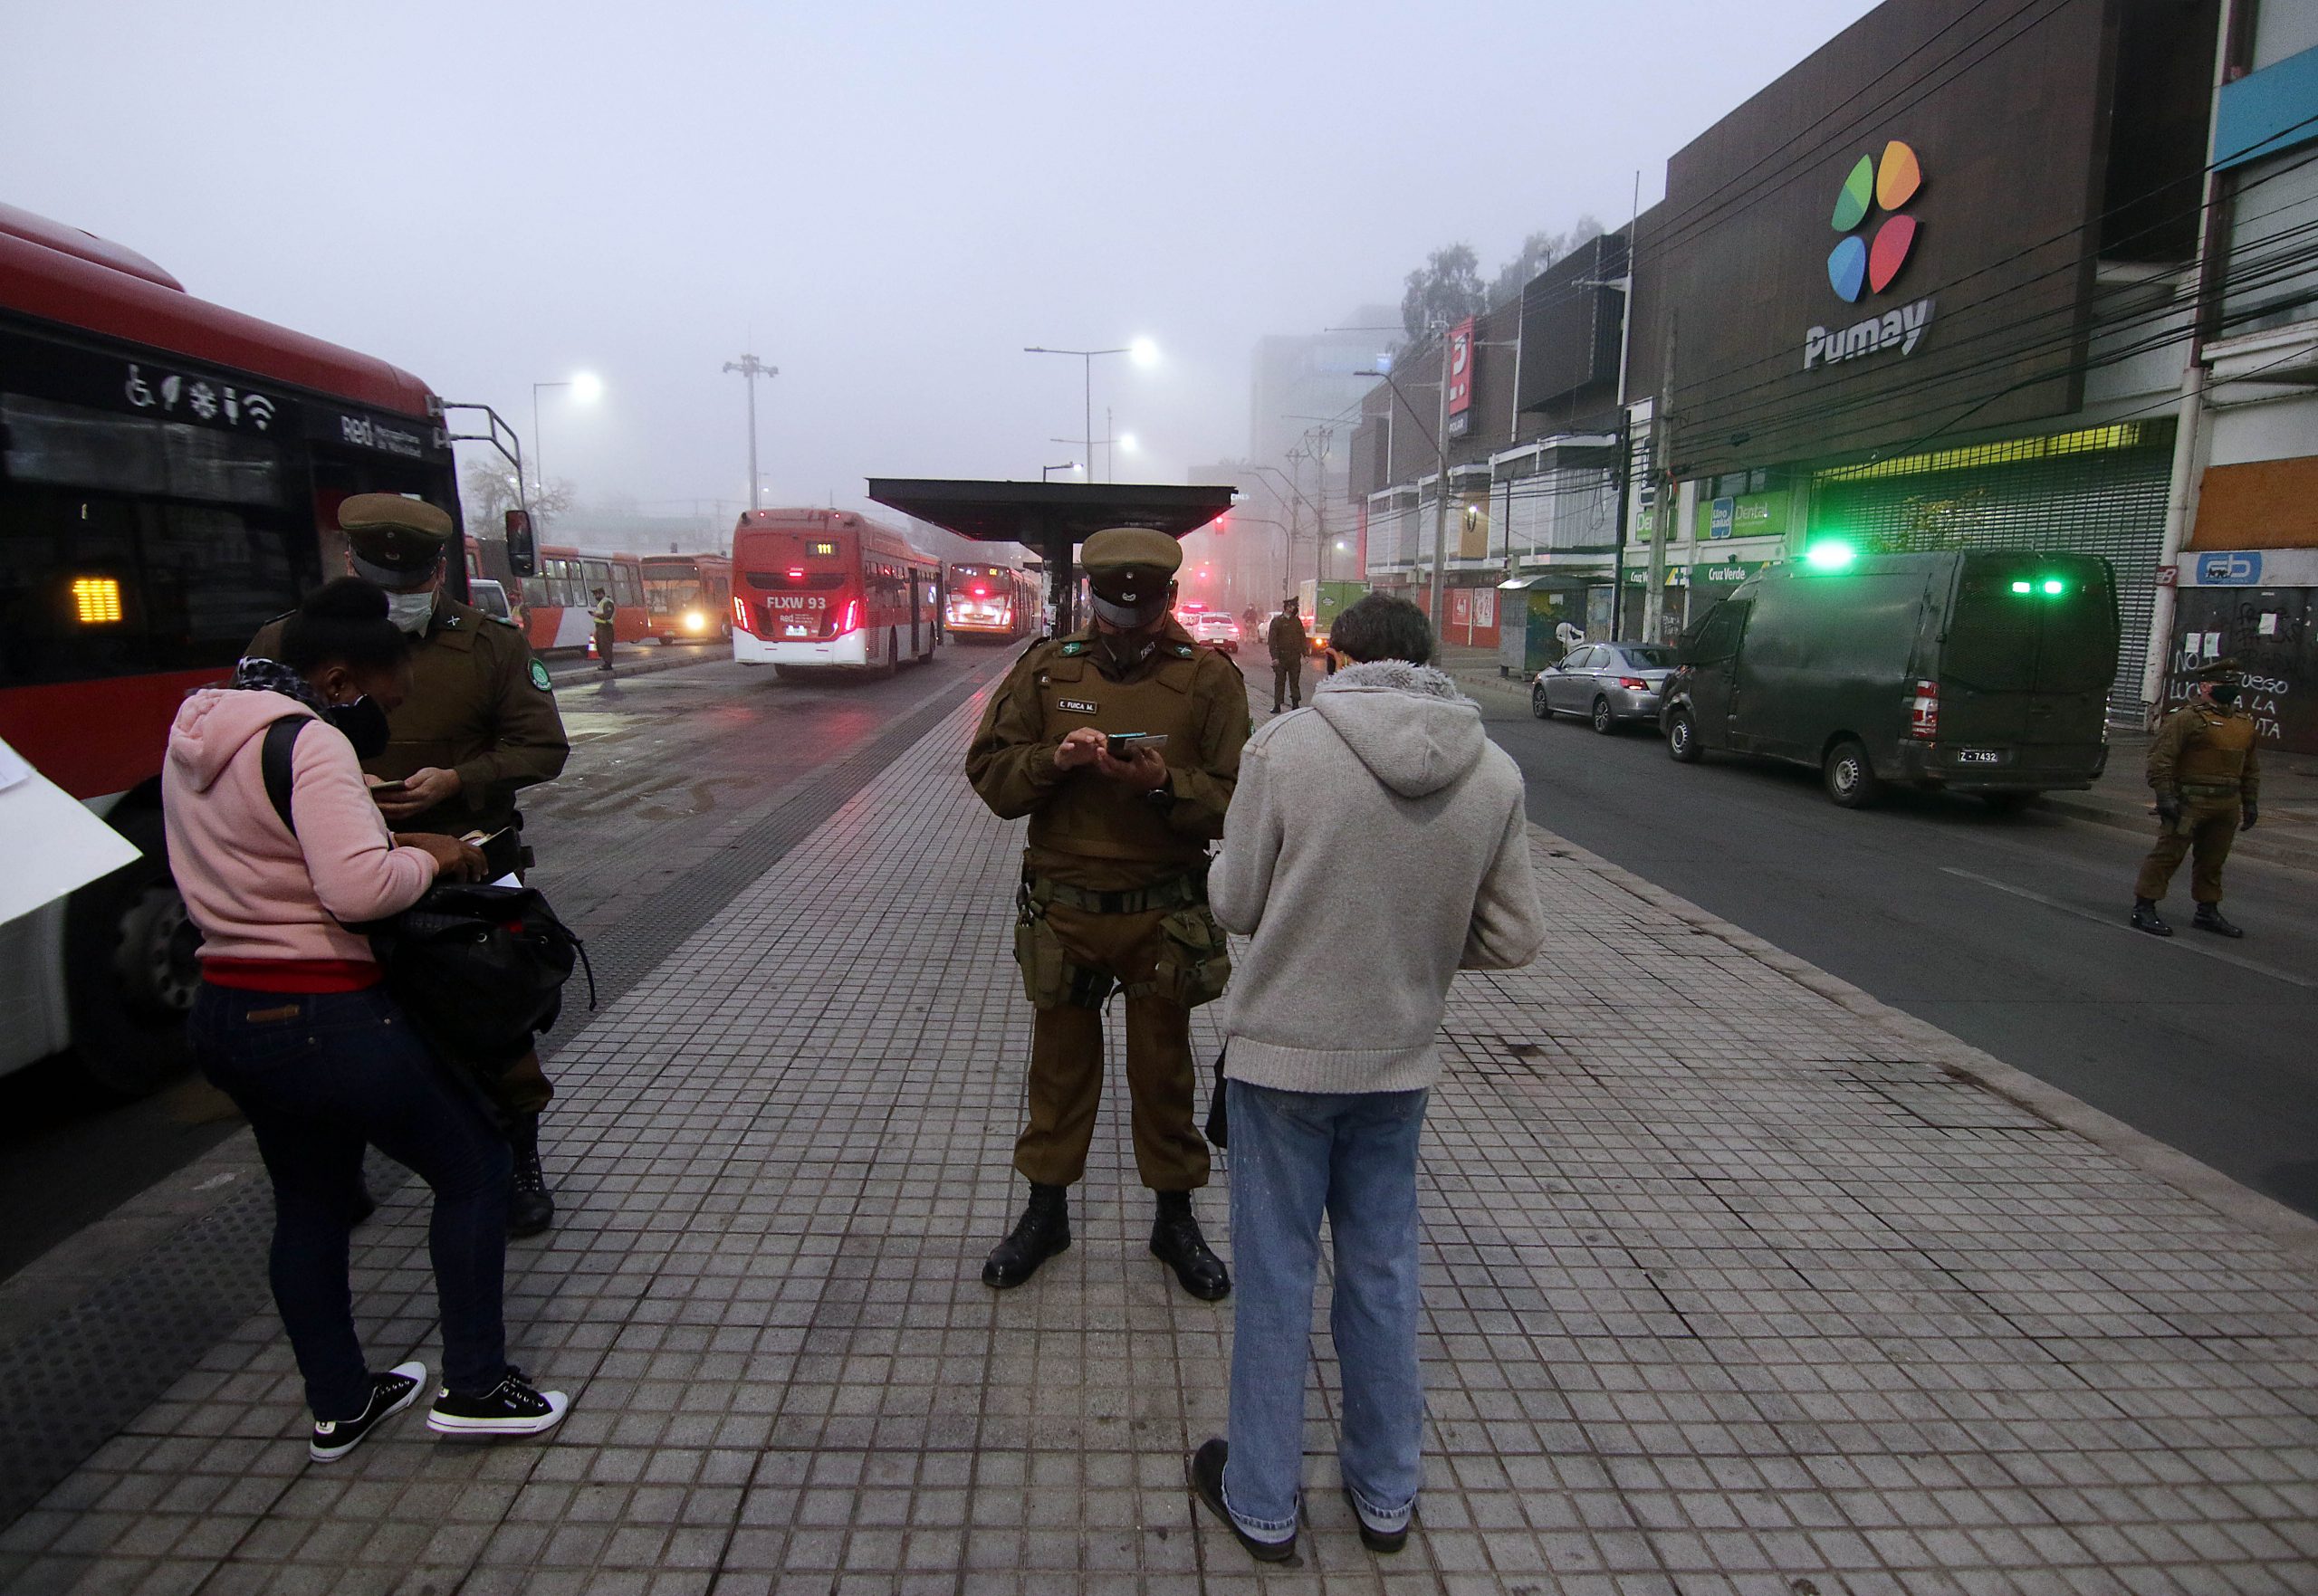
261,409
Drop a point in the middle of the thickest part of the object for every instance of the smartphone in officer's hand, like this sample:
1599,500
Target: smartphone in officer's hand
1122,744
388,790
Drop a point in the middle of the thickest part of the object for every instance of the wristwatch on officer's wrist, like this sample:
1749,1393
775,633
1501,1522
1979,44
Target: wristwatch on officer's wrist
1162,796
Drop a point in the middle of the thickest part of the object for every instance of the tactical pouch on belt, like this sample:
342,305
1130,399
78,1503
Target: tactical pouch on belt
1049,980
1194,965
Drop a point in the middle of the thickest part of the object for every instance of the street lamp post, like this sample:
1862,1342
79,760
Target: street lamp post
1046,472
1142,350
585,387
750,368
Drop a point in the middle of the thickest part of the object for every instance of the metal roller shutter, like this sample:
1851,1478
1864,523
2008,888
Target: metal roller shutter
2100,490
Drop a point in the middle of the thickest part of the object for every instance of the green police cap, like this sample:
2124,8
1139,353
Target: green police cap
394,537
1116,550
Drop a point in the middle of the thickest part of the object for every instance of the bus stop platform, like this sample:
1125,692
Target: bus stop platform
1735,1280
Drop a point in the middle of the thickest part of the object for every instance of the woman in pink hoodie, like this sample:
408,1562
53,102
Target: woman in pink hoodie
292,1021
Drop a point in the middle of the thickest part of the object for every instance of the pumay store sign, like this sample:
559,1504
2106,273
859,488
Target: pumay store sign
1857,268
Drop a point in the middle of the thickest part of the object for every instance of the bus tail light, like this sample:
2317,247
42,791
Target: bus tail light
1924,711
741,616
852,622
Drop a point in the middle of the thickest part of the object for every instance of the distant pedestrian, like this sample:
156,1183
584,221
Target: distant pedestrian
1374,847
603,612
2208,782
1569,636
1288,643
292,1021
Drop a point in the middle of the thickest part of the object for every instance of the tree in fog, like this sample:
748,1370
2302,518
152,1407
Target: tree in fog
489,493
1446,290
1537,252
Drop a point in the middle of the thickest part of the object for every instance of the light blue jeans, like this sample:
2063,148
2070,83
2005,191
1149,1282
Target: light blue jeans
1296,1155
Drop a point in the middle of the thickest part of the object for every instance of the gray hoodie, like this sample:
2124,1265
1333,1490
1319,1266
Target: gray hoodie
1377,844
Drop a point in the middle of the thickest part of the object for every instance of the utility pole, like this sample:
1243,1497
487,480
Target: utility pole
1440,486
1661,417
750,368
1320,439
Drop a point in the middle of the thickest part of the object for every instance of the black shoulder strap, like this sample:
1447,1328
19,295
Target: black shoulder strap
274,762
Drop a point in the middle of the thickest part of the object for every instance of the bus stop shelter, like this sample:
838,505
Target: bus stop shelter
1052,519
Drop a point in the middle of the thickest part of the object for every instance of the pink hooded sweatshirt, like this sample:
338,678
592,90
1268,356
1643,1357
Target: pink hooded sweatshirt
256,891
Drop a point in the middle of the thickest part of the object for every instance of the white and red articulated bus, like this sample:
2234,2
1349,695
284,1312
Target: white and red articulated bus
999,602
170,473
557,602
827,588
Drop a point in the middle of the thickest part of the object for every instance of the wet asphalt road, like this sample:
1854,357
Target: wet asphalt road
665,766
2005,930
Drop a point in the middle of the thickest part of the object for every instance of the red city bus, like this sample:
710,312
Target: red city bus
687,597
996,601
555,602
830,587
170,473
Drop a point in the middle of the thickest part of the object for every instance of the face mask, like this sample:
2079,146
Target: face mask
364,724
410,611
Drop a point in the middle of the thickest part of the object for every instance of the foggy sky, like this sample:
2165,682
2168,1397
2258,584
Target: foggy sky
885,201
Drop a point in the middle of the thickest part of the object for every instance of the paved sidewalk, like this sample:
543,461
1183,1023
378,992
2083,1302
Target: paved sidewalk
1737,1281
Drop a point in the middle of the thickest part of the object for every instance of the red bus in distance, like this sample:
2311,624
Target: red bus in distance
829,588
687,597
998,602
555,602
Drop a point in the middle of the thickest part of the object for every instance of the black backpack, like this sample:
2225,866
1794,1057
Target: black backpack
479,969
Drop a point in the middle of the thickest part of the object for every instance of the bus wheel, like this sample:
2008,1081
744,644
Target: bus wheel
1851,779
131,972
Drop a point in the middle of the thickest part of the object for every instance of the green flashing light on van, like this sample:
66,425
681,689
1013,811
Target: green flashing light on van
2051,586
1832,554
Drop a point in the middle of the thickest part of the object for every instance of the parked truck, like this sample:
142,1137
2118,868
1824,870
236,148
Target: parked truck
1984,672
1322,602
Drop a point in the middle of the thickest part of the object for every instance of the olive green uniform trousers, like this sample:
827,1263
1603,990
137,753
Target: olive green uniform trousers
1067,1057
2208,825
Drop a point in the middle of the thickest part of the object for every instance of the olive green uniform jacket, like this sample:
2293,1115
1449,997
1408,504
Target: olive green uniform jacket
1086,830
481,705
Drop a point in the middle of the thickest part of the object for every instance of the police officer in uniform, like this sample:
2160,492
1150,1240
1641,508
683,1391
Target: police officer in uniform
480,723
2208,783
1114,893
1288,643
603,613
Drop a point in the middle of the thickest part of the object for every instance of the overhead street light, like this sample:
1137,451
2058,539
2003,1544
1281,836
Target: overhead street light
750,368
1142,352
587,387
1046,472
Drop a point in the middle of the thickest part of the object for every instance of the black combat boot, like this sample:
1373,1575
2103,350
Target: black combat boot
2208,917
1176,1242
2146,918
1043,1231
530,1210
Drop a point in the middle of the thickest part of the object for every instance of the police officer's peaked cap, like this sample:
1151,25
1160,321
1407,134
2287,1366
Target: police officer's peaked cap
400,537
1123,553
2214,671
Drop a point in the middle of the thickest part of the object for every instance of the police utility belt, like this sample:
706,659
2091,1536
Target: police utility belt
1176,891
2210,790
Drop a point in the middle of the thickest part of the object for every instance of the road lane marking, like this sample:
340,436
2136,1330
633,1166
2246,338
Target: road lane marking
2186,947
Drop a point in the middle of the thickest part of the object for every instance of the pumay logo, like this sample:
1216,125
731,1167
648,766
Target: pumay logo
1893,329
1856,268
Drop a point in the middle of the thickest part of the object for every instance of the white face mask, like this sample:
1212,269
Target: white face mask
410,611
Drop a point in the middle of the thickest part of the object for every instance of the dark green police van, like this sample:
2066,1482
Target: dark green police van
1984,672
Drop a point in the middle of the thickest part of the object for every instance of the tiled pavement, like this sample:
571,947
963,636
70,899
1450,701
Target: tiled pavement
1734,1284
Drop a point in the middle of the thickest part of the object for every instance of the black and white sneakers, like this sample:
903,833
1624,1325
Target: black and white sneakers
390,1393
509,1408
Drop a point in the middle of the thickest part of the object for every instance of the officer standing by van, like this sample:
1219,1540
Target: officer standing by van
1114,893
480,724
2208,783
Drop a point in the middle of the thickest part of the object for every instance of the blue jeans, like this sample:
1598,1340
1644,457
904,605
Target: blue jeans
321,1076
1353,1156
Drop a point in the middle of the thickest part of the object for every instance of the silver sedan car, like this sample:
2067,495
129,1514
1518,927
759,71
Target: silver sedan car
1607,683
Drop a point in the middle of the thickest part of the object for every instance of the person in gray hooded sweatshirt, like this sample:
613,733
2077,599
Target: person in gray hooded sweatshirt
1377,844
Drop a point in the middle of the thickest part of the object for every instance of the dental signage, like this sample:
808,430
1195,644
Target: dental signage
1866,260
